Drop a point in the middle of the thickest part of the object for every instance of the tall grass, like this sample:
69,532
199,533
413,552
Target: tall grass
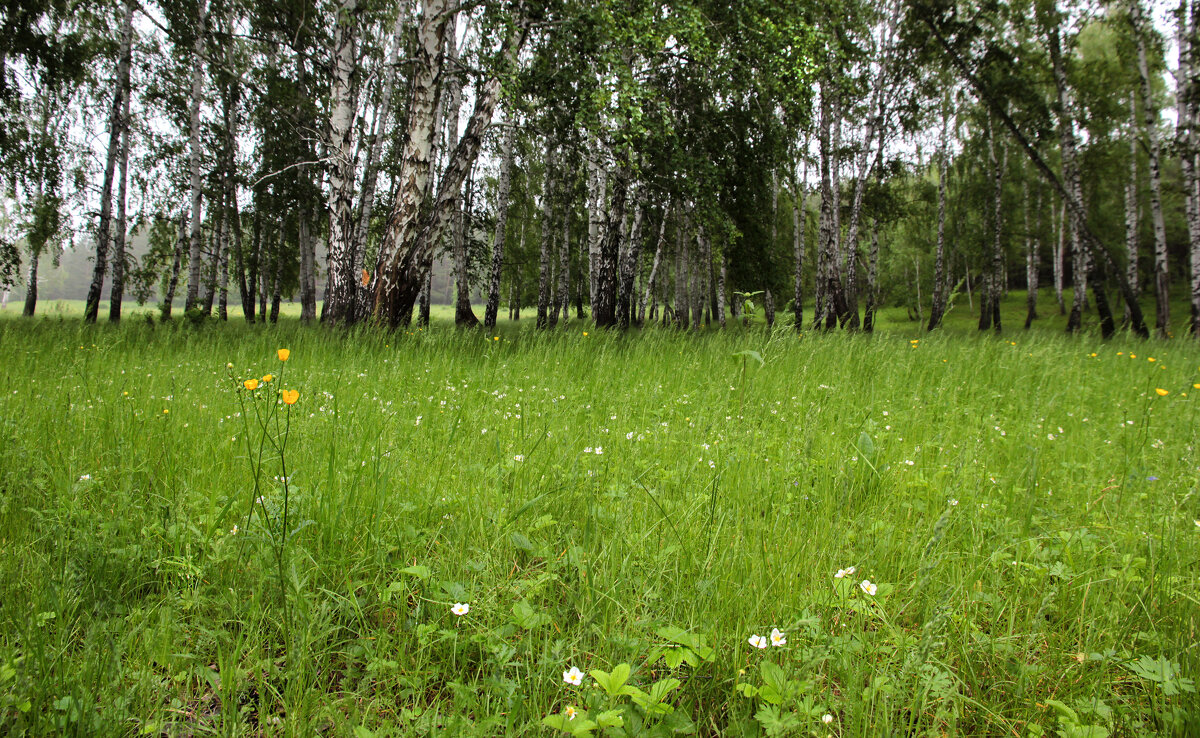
1026,509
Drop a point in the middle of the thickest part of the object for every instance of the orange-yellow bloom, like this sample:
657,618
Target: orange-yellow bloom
268,378
251,384
1162,392
290,396
283,354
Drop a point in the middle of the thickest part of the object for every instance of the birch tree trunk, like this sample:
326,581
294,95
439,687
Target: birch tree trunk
543,304
194,248
564,266
658,252
629,261
721,290
873,281
503,190
410,238
830,302
31,287
1032,256
1059,268
1150,118
176,264
799,223
597,179
308,268
341,290
117,294
383,113
996,280
604,311
1131,206
938,308
682,309
115,125
1188,117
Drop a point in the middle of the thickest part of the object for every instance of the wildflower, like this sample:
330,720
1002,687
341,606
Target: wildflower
827,718
573,676
166,411
251,384
497,338
585,333
519,457
953,502
777,637
460,608
290,396
758,641
234,531
267,378
1151,358
85,477
1162,392
229,365
1133,356
599,450
588,450
570,712
866,586
843,573
283,354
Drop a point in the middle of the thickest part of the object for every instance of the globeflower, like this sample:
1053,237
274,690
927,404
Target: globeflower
290,396
1162,392
250,384
573,676
283,354
267,378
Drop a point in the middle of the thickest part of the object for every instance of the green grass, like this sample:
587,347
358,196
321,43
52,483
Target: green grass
1026,509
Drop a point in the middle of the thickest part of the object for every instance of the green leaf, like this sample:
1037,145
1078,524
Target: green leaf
612,682
610,719
418,571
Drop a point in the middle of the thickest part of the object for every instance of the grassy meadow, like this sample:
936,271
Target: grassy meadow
891,535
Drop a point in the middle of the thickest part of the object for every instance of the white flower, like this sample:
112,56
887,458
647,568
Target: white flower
599,450
1197,522
843,573
827,718
234,531
85,477
953,502
588,450
570,712
519,457
777,637
758,641
573,676
460,608
629,436
866,586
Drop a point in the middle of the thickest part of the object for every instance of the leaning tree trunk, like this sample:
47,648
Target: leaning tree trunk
366,208
503,190
115,123
630,258
341,290
658,251
411,236
193,288
1153,149
117,294
1131,206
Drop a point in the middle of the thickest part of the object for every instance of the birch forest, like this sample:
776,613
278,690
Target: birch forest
681,163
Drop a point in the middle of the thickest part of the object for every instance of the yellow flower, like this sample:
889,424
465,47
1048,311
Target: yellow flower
283,354
497,338
1151,358
290,396
585,333
1162,392
251,384
1196,386
1133,356
166,411
267,378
